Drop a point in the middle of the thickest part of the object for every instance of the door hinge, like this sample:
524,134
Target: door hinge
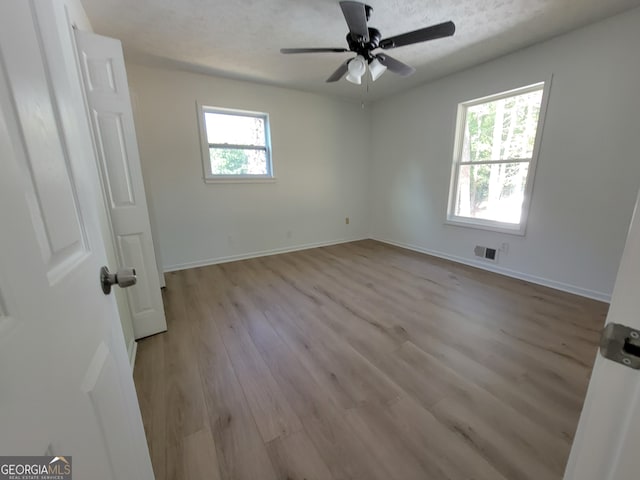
621,344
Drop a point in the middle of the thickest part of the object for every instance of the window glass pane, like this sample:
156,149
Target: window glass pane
234,129
492,192
230,161
502,129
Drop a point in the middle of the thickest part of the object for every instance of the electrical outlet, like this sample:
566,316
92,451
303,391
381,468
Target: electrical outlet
289,234
346,220
504,248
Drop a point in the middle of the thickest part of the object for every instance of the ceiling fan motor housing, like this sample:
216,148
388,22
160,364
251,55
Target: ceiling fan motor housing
362,48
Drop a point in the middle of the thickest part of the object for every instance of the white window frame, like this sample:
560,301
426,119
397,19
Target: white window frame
209,176
481,223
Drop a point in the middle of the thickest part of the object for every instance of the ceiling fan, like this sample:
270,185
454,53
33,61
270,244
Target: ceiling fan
363,40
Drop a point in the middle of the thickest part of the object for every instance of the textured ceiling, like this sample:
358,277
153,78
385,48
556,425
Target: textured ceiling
242,38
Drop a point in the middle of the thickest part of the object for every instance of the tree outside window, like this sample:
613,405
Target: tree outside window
496,141
235,144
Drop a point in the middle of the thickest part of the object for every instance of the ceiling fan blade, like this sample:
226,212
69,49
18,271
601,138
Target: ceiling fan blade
355,14
441,30
340,72
396,66
312,50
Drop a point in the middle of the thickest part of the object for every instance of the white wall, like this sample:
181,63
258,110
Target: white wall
319,155
588,171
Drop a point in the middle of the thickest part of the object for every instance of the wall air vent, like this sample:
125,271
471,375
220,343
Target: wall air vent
486,253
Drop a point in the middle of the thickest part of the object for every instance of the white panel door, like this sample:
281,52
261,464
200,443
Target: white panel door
607,442
107,92
65,381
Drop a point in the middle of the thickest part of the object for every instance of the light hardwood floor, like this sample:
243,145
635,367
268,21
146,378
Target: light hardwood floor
364,361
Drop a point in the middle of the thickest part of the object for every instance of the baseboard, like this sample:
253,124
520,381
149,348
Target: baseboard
132,351
565,287
263,253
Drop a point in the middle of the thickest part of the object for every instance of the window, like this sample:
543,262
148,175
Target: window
235,145
497,141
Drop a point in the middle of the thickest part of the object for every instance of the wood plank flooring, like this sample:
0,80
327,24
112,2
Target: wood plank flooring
364,361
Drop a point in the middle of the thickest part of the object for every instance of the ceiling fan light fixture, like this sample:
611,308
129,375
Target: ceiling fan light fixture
353,79
357,68
376,69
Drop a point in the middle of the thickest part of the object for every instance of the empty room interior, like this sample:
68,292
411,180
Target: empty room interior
377,241
330,321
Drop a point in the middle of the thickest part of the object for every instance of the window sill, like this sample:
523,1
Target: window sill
241,180
490,226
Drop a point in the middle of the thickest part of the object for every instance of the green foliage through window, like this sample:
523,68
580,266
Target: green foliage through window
238,161
237,143
496,149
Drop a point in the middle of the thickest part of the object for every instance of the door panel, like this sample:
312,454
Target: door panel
132,253
113,152
102,386
52,199
100,78
66,383
107,92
